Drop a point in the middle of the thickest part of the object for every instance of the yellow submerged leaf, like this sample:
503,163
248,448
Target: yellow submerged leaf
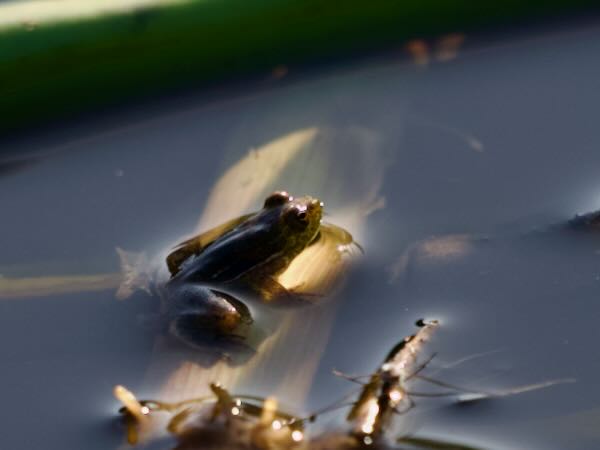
343,168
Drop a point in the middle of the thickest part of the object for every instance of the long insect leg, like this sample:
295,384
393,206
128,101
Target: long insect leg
431,394
449,386
428,444
341,403
472,357
421,367
512,391
352,378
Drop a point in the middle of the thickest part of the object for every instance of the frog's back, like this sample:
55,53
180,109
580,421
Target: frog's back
235,254
256,247
197,244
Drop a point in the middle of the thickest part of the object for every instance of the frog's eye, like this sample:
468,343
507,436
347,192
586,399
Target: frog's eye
297,216
277,199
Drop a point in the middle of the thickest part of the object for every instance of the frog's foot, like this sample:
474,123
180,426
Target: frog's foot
274,293
299,291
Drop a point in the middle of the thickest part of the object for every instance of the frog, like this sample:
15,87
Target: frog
218,279
251,250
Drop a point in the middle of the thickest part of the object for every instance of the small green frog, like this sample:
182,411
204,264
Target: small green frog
244,254
252,250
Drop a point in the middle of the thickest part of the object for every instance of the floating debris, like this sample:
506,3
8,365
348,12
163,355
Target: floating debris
220,421
223,420
386,395
135,413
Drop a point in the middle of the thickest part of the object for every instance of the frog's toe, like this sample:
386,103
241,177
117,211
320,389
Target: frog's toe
188,329
294,297
299,292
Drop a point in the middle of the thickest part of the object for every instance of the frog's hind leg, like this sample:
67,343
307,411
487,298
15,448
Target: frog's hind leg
202,335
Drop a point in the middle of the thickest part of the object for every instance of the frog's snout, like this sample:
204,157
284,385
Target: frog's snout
314,209
315,205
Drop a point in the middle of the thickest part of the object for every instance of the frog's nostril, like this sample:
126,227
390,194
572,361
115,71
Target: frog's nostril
314,203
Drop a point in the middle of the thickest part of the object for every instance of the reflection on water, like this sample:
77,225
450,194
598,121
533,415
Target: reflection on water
506,283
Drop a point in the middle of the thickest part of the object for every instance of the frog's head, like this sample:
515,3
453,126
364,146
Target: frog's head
301,217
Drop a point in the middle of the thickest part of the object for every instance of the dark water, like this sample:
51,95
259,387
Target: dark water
501,141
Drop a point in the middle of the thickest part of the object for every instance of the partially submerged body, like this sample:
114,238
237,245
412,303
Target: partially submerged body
252,250
219,279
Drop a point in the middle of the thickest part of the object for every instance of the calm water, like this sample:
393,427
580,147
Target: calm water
501,141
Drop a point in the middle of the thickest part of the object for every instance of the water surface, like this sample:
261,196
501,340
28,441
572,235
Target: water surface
499,142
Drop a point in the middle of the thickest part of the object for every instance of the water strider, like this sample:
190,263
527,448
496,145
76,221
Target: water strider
386,394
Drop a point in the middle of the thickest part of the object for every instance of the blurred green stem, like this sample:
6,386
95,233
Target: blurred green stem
51,69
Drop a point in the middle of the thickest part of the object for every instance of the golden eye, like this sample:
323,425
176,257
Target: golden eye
277,198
